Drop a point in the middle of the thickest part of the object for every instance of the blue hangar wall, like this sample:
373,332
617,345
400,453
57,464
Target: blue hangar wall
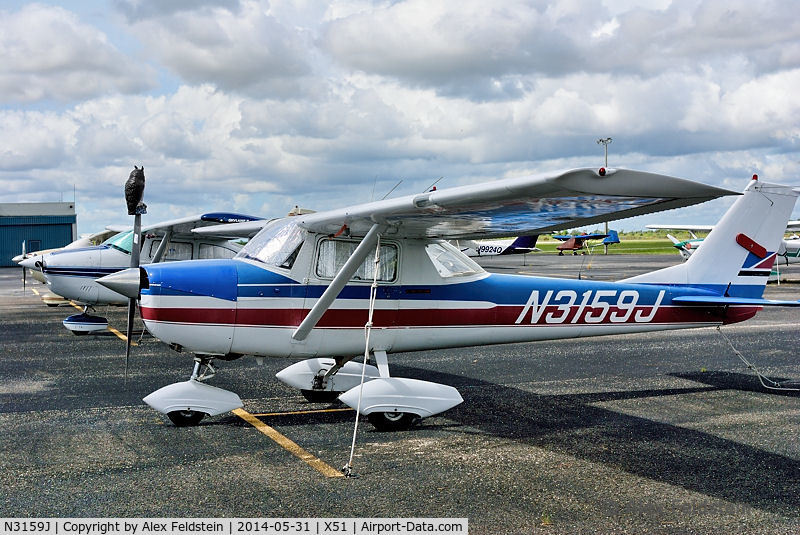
39,225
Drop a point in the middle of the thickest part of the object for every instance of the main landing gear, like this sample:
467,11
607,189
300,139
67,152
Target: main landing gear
390,403
187,403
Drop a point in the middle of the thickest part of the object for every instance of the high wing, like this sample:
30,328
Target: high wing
246,229
185,225
536,204
692,228
565,237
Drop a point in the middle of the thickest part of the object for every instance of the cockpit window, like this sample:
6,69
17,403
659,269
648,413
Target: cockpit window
276,245
121,242
450,262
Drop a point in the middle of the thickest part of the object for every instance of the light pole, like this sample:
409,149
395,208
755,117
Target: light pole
604,142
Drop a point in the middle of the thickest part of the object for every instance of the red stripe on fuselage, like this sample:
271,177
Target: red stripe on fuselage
499,315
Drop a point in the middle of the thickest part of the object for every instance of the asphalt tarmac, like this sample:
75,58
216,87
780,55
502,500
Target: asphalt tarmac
650,433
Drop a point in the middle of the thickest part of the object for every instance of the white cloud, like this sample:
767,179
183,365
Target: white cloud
49,54
283,103
235,46
35,140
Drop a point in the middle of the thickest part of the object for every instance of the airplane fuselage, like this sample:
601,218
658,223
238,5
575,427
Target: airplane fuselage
242,306
72,273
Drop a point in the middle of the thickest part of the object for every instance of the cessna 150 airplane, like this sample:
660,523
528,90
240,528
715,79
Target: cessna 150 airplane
71,272
306,287
506,246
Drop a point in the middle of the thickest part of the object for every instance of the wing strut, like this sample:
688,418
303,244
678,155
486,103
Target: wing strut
344,275
162,246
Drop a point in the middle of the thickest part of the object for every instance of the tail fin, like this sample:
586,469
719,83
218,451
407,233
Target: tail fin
522,244
612,238
673,239
737,256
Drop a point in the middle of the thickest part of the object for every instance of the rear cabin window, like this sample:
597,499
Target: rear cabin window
208,250
175,250
334,253
450,262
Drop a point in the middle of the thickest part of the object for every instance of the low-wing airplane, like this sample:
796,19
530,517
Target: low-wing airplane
576,242
71,273
505,246
789,250
684,247
380,278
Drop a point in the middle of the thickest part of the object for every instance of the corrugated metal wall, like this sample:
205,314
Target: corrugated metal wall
48,231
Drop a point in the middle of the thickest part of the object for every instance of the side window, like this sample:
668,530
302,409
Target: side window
175,250
450,262
334,253
208,250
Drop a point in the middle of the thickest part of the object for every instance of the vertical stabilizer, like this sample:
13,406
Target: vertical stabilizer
737,256
523,244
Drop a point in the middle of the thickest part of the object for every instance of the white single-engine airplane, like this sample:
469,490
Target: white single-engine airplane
501,247
33,259
789,250
379,278
71,272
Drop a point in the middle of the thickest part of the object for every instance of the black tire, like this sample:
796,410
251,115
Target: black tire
320,396
391,421
186,418
80,333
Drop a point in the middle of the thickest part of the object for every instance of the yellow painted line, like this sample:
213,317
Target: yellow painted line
34,290
314,462
120,335
76,305
292,413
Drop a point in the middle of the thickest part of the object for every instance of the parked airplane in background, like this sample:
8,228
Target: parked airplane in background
71,273
33,264
684,247
379,278
790,249
505,246
576,242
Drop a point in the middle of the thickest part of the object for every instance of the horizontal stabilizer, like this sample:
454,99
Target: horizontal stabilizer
723,300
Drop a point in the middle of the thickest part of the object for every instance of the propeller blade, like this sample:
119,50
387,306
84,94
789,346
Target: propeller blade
129,333
24,278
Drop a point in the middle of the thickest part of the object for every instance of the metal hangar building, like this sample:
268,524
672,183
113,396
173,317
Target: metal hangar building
45,225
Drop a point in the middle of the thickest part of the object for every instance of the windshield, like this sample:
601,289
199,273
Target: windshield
121,242
450,262
276,245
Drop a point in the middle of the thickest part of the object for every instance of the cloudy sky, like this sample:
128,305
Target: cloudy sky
256,106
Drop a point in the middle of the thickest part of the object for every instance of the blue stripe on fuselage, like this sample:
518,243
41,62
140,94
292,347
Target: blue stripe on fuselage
80,271
230,279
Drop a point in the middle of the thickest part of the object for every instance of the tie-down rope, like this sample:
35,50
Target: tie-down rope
348,468
773,385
